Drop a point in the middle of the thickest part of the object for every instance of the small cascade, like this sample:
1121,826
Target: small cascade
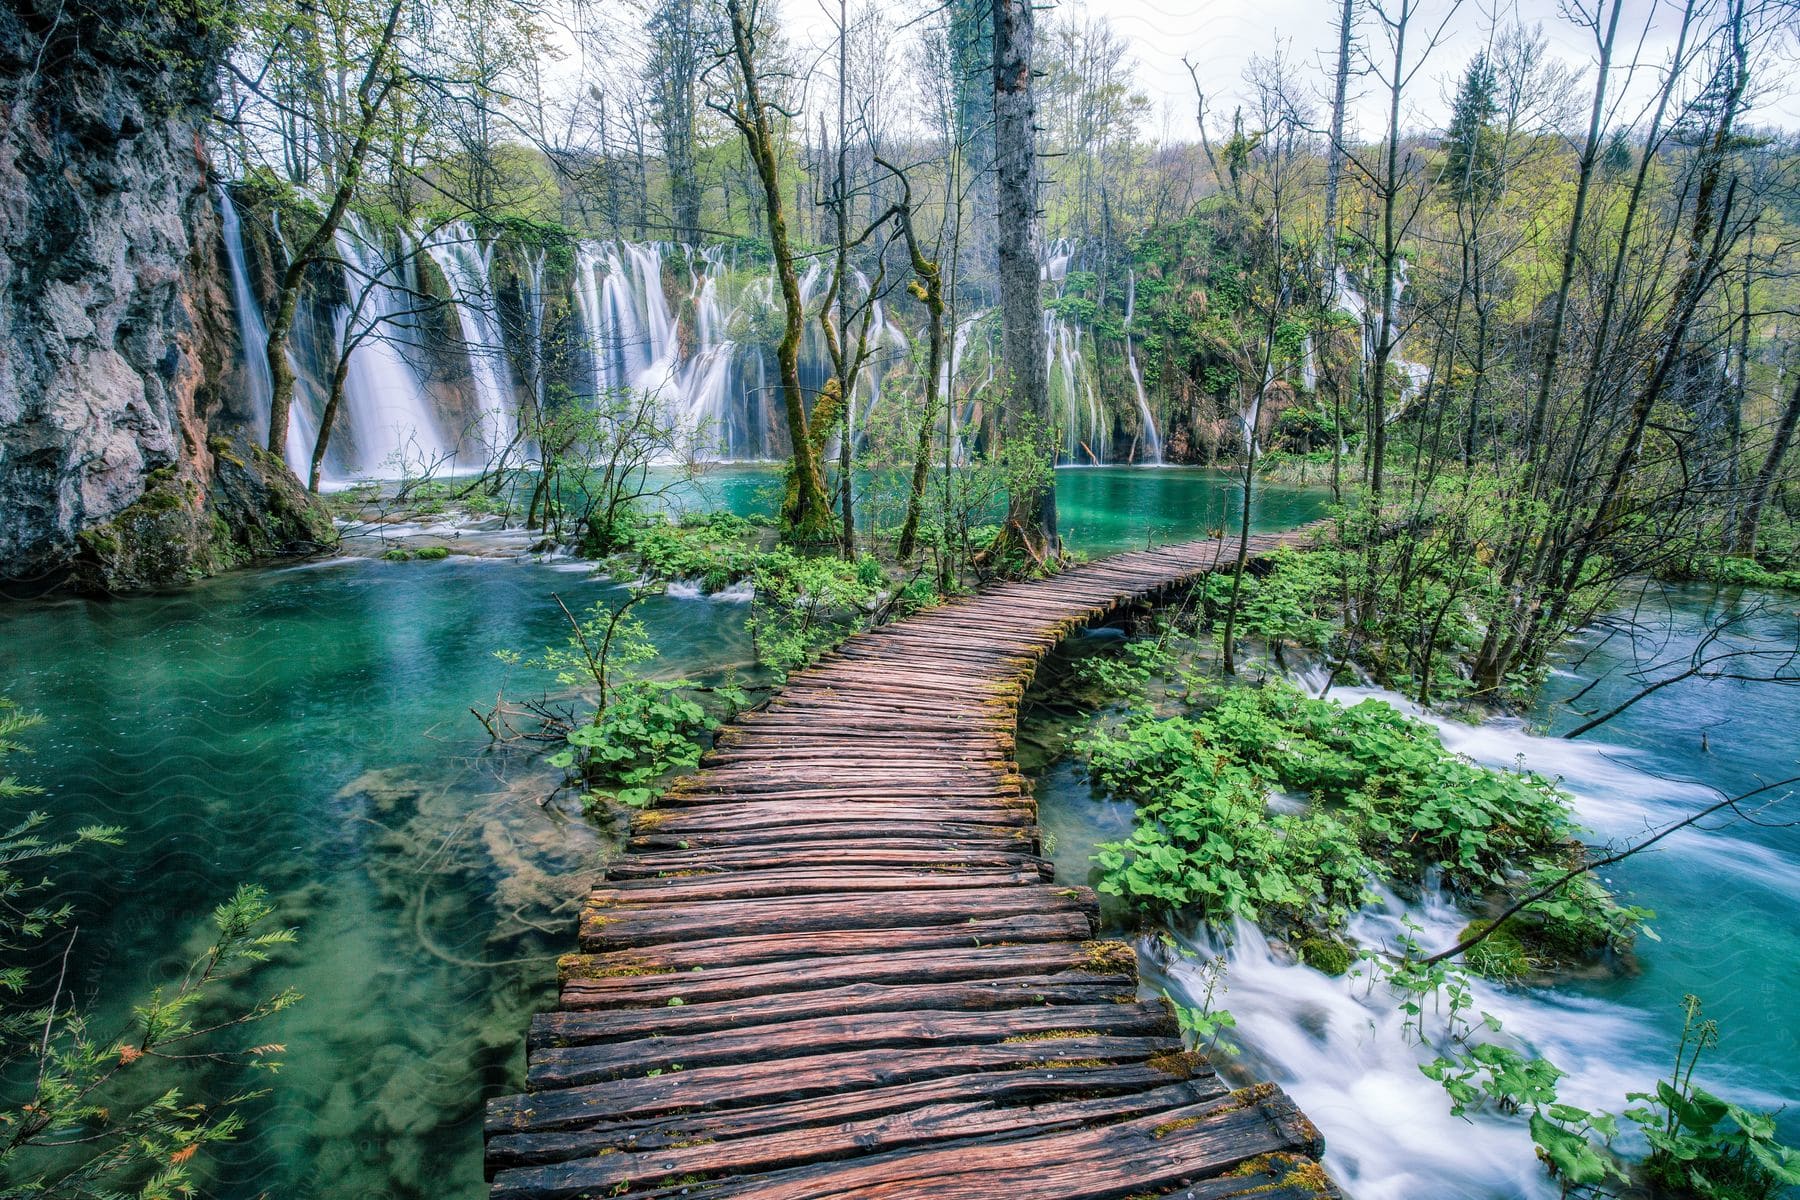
534,309
1368,319
1309,365
1152,449
253,335
467,265
391,420
1087,432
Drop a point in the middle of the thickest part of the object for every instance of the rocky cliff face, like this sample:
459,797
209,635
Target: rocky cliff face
122,461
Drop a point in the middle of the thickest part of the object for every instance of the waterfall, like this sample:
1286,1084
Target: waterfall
467,265
686,327
534,265
1309,365
1152,442
1351,302
1087,431
390,417
253,335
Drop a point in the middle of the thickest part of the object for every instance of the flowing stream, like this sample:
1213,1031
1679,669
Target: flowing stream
308,728
1727,899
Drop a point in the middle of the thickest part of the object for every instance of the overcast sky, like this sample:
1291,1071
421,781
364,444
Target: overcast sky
1220,36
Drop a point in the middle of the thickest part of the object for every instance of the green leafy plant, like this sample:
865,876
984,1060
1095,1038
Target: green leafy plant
1704,1146
1700,1145
640,729
806,604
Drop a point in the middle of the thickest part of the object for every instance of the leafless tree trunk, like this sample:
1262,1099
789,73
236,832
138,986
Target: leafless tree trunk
1032,515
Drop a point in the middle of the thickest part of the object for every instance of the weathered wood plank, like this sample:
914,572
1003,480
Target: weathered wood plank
944,1122
615,926
576,1025
996,1087
1158,1151
563,1066
812,1075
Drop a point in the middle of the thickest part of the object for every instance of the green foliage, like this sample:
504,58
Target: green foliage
89,1113
1206,1024
715,550
640,730
1388,801
1295,600
806,604
1700,1145
1748,572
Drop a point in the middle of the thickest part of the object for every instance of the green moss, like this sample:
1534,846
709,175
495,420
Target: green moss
1500,956
433,553
397,554
1325,954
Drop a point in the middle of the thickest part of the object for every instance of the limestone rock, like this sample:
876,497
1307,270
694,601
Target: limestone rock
123,461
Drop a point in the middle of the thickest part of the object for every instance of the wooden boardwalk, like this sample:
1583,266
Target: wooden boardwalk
833,962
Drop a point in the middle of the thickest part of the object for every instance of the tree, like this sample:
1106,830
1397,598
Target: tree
344,139
805,508
680,36
1031,514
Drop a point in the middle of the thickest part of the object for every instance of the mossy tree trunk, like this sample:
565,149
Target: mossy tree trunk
805,508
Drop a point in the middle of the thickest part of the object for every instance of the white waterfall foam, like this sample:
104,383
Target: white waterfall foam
467,265
389,413
253,335
1368,319
1152,448
1340,1046
1087,431
672,322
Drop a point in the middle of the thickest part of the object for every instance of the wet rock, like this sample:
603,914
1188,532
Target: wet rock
122,462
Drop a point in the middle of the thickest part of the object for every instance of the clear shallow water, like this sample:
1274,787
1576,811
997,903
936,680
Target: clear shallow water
307,728
1728,900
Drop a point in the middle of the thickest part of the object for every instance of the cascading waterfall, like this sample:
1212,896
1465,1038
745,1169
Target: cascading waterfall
1152,450
253,335
1368,319
467,265
1340,1045
391,419
669,322
1087,434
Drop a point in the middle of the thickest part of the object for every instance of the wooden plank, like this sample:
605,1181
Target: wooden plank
995,1087
795,1078
564,1066
574,1026
615,926
793,855
1158,1151
950,1121
713,953
808,881
808,974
